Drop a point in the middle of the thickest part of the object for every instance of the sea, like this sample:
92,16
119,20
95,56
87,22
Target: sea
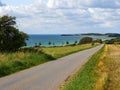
56,40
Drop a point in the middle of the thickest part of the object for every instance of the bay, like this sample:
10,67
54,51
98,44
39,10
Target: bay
56,40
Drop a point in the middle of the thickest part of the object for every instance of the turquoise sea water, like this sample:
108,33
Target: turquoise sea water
56,40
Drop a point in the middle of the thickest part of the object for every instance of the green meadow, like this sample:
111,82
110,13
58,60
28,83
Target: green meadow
58,52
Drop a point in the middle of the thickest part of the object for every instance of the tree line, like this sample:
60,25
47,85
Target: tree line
84,40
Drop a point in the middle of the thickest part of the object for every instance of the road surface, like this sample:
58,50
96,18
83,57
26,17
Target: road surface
48,76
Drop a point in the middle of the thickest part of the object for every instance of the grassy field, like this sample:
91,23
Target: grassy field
101,72
14,62
111,61
58,52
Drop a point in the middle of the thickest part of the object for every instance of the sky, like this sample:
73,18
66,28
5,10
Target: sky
64,16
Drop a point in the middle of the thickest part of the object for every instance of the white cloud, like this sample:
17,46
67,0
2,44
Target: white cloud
66,14
100,3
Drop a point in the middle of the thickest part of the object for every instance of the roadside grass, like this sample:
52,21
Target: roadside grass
101,72
14,62
86,77
58,52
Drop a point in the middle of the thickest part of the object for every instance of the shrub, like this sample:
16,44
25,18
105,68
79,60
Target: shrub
113,41
86,40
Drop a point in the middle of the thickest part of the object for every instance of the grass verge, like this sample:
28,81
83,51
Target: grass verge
85,78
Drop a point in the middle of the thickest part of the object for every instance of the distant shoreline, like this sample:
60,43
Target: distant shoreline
71,35
94,34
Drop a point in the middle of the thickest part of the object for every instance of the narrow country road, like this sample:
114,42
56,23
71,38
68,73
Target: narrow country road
48,76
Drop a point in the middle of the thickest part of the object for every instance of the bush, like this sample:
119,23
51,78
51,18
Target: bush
113,41
98,41
86,40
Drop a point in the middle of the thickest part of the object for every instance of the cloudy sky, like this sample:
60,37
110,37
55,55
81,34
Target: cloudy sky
64,16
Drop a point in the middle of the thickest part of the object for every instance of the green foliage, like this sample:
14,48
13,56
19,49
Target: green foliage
11,39
75,42
98,41
49,43
13,62
86,40
67,42
58,52
113,41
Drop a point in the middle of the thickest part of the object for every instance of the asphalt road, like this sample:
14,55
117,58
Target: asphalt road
48,76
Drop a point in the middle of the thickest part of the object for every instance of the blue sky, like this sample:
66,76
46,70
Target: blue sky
17,2
64,16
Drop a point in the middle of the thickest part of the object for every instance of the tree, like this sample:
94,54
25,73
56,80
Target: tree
40,43
67,42
86,40
11,39
36,45
49,43
98,41
75,43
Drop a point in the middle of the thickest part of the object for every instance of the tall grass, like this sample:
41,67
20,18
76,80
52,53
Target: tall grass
13,62
112,62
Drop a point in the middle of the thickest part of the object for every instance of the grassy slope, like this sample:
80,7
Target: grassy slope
101,72
58,52
13,62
